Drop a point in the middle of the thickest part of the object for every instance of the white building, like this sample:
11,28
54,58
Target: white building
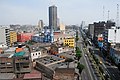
35,55
4,35
114,35
38,53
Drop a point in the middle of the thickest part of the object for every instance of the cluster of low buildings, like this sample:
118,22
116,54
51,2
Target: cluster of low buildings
23,46
106,36
20,50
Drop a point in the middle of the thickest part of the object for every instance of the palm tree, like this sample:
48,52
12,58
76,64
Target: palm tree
68,60
80,67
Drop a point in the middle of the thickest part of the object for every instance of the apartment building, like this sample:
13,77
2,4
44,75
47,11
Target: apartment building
4,35
69,42
18,63
13,37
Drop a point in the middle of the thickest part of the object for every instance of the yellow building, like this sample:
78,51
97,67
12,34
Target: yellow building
13,37
70,42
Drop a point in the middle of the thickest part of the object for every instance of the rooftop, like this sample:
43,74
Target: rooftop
11,51
7,76
32,76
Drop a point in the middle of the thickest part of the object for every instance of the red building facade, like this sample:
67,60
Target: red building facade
22,37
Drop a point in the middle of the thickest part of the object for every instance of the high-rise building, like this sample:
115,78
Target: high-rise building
62,27
53,17
5,35
40,25
13,37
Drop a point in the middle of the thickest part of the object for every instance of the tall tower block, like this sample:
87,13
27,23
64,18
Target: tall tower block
53,17
40,24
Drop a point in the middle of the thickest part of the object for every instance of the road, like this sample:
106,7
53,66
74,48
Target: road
110,70
88,73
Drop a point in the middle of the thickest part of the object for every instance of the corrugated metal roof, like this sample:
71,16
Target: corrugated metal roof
19,54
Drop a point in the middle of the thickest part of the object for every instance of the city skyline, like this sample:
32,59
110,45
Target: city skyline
69,12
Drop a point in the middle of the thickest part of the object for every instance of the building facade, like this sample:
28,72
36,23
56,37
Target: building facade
113,35
35,55
91,30
22,37
40,25
62,27
53,17
69,42
5,36
115,53
13,37
98,28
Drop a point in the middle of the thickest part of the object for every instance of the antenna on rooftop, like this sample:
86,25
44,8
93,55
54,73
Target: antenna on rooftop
117,23
108,14
103,12
52,2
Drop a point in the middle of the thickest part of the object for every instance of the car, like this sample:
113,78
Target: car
85,55
100,62
107,63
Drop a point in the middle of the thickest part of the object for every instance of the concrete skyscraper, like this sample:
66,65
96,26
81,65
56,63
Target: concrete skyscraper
40,25
53,17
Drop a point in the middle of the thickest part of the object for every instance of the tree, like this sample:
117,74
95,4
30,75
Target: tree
80,67
78,55
68,60
77,48
76,39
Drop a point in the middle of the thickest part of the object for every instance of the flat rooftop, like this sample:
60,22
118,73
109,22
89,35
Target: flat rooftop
7,76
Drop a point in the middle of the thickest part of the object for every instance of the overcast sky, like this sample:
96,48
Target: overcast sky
69,11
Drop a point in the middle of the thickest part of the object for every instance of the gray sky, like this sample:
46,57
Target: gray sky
69,11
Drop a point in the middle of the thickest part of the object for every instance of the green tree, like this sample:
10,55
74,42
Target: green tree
76,39
78,56
68,60
80,67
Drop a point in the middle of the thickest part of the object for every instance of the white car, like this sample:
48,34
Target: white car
85,55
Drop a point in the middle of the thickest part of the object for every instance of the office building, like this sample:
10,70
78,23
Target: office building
91,31
53,17
4,36
40,25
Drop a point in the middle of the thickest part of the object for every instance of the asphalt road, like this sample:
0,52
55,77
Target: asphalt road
87,73
110,70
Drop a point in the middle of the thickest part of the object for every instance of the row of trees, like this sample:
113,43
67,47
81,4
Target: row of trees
78,55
